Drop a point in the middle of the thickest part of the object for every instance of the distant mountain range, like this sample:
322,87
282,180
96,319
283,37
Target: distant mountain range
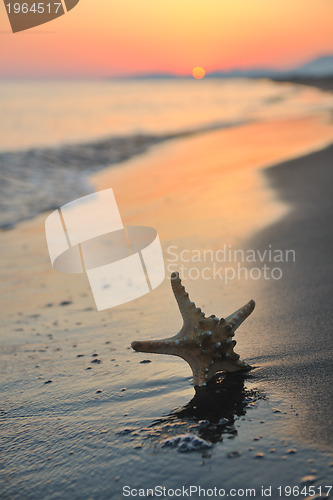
317,68
321,67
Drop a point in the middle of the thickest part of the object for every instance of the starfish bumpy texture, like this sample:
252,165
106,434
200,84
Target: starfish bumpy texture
205,343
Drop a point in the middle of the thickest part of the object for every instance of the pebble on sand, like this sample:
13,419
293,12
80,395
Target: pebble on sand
124,432
317,497
202,424
234,454
308,479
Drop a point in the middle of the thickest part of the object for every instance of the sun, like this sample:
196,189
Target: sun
198,72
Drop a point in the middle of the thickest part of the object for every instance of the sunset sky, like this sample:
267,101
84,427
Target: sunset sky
121,37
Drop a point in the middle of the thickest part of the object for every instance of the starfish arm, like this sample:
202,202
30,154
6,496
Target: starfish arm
236,319
163,346
187,308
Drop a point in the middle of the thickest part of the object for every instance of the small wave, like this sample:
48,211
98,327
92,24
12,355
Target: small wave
41,179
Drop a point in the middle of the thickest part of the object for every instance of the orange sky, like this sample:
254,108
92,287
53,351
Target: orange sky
114,37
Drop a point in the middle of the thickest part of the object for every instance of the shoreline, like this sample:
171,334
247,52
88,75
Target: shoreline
38,179
322,83
70,418
304,183
68,169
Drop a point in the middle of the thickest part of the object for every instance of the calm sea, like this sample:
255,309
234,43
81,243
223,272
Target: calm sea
39,113
99,123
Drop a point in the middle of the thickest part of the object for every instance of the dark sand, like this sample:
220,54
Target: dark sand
298,309
323,83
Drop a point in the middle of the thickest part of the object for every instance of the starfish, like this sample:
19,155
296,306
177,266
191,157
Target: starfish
205,343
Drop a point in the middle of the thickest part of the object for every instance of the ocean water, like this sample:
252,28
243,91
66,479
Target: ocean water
44,113
53,134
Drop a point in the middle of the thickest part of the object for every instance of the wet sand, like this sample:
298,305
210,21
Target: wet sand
83,415
323,83
299,305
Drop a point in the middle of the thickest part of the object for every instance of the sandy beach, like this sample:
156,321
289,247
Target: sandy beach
84,416
195,138
304,332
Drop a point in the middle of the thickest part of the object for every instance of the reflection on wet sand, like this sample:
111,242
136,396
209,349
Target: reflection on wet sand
209,416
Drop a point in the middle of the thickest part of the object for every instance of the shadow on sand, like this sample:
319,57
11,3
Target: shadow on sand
212,411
